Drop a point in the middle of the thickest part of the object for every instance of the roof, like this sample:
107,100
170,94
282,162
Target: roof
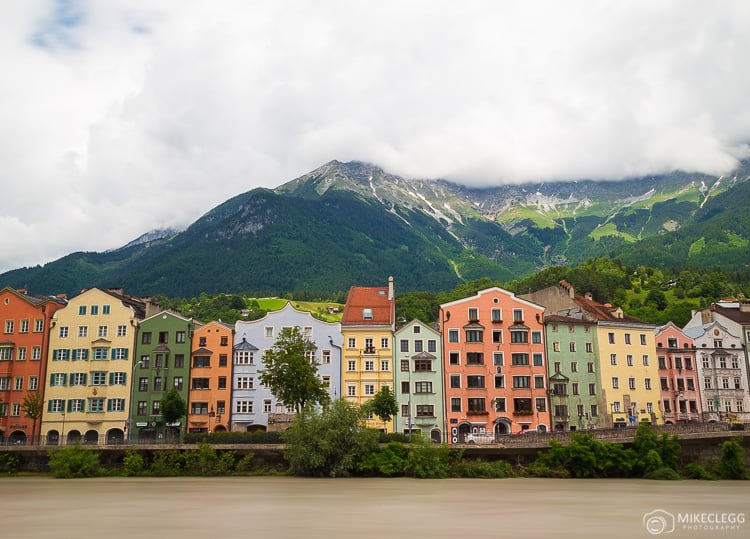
735,314
605,312
560,319
368,306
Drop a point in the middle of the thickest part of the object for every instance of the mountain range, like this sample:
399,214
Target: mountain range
353,223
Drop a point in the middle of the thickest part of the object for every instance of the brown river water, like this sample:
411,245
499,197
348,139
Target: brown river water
282,507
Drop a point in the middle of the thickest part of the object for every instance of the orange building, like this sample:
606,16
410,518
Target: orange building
210,387
494,364
23,352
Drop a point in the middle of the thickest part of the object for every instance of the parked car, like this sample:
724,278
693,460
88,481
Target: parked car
531,431
479,438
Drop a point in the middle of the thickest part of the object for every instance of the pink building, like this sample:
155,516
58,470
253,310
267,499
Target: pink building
678,375
495,369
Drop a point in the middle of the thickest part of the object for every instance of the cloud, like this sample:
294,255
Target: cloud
126,116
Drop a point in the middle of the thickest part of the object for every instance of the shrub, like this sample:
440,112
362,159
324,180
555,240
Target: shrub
168,464
388,461
74,462
10,463
133,463
732,462
663,473
207,461
429,461
696,471
482,469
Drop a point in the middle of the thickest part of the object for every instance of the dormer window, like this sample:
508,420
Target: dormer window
367,314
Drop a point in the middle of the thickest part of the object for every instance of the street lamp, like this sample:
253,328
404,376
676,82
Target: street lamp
62,433
210,415
129,422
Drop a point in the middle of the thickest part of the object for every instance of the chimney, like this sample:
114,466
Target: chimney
745,306
22,291
589,296
390,288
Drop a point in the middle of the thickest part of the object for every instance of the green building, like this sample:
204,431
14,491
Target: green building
162,362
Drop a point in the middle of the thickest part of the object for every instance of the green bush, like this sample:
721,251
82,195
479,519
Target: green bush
387,461
482,469
133,463
74,462
259,437
429,461
207,461
664,473
696,471
732,462
10,463
169,464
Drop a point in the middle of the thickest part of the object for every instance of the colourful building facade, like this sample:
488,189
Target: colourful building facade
210,390
495,367
678,376
162,362
367,327
23,350
418,377
89,368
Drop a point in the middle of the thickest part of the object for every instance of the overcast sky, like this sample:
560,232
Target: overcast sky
118,117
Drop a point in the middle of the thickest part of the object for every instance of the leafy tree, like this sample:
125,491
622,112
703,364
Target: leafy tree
32,406
74,462
173,407
732,462
290,374
328,443
383,405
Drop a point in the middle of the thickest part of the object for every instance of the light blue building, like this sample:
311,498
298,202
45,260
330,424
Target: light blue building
419,381
251,401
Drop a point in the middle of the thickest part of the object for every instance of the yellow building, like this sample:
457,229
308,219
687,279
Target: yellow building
629,370
367,327
89,368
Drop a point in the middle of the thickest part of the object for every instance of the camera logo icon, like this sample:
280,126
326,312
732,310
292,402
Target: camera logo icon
658,521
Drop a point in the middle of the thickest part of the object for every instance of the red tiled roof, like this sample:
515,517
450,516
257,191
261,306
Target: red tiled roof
376,299
604,313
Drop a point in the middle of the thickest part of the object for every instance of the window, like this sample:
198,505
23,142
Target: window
146,337
120,353
96,405
497,336
55,405
497,359
142,407
418,346
38,325
613,359
432,346
24,326
116,405
522,405
643,339
199,408
117,378
539,382
615,382
557,366
473,314
611,338
351,391
404,365
243,407
6,353
589,348
369,390
518,315
102,331
455,381
83,331
404,345
122,330
519,336
80,354
18,383
453,358
268,332
222,382
452,335
474,335
555,346
572,346
475,382
538,360
200,383
417,329
266,406
243,357
455,404
499,381
180,337
158,383
62,333
500,404
645,360
105,309
385,365
5,383
422,387
351,342
369,346
521,381
561,410
592,389
405,388
33,383
647,383
367,313
98,378
476,405
425,410
100,354
143,384
222,360
60,354
497,315
519,359
573,366
629,360
384,343
574,388
369,365
21,353
474,358
590,366
627,338
351,365
325,357
178,383
560,390
536,337
422,365
82,310
201,362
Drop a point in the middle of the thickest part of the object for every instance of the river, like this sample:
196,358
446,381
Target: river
284,507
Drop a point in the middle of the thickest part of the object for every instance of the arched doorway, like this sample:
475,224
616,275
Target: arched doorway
17,437
115,437
220,428
92,437
73,437
436,436
52,438
502,426
463,430
147,435
541,428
